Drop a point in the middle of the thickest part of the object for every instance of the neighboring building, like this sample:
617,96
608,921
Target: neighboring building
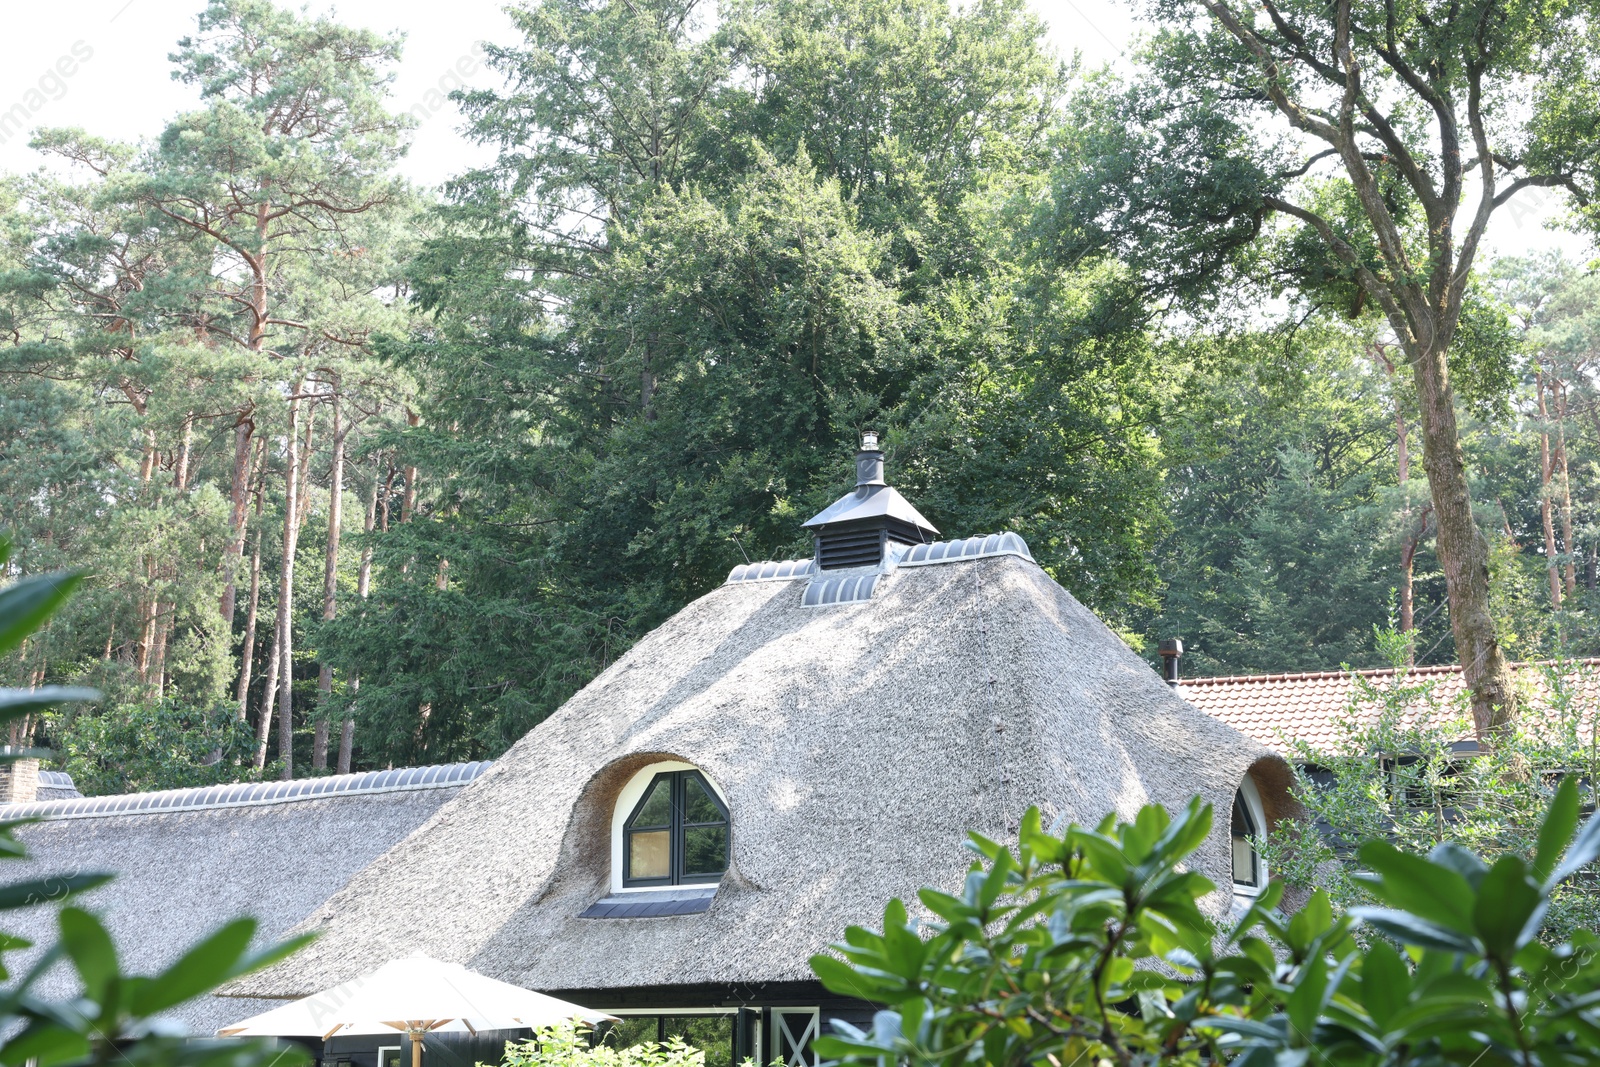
766,768
189,860
1278,710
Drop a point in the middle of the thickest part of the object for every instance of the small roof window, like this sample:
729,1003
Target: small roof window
1248,830
677,833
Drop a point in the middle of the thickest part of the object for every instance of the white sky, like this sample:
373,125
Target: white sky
124,90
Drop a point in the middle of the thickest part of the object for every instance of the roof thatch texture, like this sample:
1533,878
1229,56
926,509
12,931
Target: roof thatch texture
856,744
189,867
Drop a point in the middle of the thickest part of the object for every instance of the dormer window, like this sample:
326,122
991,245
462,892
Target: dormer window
677,833
1249,826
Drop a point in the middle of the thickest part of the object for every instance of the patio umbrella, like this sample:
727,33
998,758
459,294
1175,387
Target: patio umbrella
414,996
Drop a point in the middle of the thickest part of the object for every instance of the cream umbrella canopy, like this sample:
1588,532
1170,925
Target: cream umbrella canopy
414,996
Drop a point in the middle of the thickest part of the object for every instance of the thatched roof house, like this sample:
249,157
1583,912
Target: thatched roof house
189,860
771,765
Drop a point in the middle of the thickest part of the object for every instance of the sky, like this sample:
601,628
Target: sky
101,65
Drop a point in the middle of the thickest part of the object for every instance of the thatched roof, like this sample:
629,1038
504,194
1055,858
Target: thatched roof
855,743
189,860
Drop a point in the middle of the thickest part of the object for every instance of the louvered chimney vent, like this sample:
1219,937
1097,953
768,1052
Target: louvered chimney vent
857,529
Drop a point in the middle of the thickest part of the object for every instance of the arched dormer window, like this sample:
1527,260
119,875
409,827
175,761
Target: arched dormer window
676,832
1249,828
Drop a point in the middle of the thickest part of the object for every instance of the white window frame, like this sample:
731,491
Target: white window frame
396,1049
1258,815
783,1032
627,800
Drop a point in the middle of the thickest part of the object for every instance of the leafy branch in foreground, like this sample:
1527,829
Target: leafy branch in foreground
116,1016
1092,946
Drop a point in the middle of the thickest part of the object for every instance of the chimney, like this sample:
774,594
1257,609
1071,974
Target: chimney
869,461
1171,653
19,781
857,529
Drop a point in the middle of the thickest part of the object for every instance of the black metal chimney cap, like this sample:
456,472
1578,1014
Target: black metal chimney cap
1171,651
873,501
869,461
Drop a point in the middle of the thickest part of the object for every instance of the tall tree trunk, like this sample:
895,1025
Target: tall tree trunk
180,465
1546,501
147,462
147,603
305,466
319,741
1564,488
166,612
347,732
147,623
330,578
291,536
157,672
1408,546
1411,534
408,501
388,495
269,701
239,496
1463,549
247,651
647,379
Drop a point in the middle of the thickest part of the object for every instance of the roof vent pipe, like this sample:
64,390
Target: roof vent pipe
869,461
1171,653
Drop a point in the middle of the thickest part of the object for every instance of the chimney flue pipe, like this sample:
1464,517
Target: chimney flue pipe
869,461
1171,652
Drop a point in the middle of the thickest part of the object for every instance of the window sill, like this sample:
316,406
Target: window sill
1244,896
652,903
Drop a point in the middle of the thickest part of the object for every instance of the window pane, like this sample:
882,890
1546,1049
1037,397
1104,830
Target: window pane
712,1034
1244,861
650,854
657,807
1243,824
697,805
705,850
628,1031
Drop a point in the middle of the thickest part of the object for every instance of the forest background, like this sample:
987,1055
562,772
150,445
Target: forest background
363,474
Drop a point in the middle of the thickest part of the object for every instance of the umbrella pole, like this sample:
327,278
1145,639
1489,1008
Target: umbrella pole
416,1048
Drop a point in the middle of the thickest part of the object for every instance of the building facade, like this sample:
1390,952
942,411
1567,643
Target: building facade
771,766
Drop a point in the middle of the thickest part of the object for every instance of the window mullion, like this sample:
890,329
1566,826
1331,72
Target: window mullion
677,844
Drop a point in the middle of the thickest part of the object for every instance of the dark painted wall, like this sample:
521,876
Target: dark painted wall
755,1003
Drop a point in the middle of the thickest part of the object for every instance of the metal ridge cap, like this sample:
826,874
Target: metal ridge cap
251,794
962,549
771,570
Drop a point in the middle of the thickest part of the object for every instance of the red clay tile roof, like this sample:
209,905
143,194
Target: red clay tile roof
1277,709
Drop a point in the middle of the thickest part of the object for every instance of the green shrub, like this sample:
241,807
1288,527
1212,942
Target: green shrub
157,744
1394,772
570,1045
1090,947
